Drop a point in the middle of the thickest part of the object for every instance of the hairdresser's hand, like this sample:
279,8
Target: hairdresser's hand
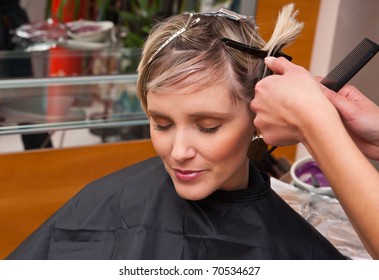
360,116
289,103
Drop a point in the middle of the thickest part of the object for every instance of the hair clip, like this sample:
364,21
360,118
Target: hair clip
227,14
252,50
189,24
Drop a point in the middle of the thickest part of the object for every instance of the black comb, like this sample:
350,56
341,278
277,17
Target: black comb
350,65
252,50
346,69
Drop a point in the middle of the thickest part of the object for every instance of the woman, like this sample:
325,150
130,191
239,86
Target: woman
202,198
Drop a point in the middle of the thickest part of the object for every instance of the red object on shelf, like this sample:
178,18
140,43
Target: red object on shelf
60,64
69,8
64,62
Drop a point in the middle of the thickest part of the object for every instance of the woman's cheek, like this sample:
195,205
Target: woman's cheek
222,146
160,142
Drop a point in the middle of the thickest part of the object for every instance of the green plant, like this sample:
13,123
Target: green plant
138,16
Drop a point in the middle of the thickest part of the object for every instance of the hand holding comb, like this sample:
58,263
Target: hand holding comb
346,69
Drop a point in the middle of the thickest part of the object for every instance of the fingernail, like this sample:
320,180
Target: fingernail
269,59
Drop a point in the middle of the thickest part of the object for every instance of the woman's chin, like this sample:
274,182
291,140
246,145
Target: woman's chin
190,193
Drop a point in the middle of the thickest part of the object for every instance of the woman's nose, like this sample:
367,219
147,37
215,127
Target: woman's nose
182,147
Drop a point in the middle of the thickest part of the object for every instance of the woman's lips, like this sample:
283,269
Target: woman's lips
188,175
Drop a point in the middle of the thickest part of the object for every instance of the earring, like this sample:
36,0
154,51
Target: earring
257,148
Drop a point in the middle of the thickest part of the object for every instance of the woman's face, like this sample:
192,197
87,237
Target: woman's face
202,136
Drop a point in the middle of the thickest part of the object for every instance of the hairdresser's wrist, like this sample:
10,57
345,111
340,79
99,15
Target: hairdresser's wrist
318,128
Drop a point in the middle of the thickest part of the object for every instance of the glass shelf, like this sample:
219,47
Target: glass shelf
94,90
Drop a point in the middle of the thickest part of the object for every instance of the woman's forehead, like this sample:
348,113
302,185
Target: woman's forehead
192,98
194,89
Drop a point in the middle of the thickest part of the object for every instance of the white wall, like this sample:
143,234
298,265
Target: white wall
342,24
356,20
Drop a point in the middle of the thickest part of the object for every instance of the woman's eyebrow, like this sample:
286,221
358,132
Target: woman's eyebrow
195,115
157,114
210,114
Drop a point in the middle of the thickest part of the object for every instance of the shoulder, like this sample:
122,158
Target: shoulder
131,174
138,173
100,200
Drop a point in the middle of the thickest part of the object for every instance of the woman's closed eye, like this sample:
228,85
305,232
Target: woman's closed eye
208,125
209,129
160,127
161,123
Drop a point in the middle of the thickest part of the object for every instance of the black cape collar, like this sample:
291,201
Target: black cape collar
259,187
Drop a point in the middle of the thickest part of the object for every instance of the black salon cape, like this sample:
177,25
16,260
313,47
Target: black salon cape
135,213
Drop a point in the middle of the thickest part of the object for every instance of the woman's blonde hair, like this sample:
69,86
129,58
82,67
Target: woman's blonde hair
198,57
